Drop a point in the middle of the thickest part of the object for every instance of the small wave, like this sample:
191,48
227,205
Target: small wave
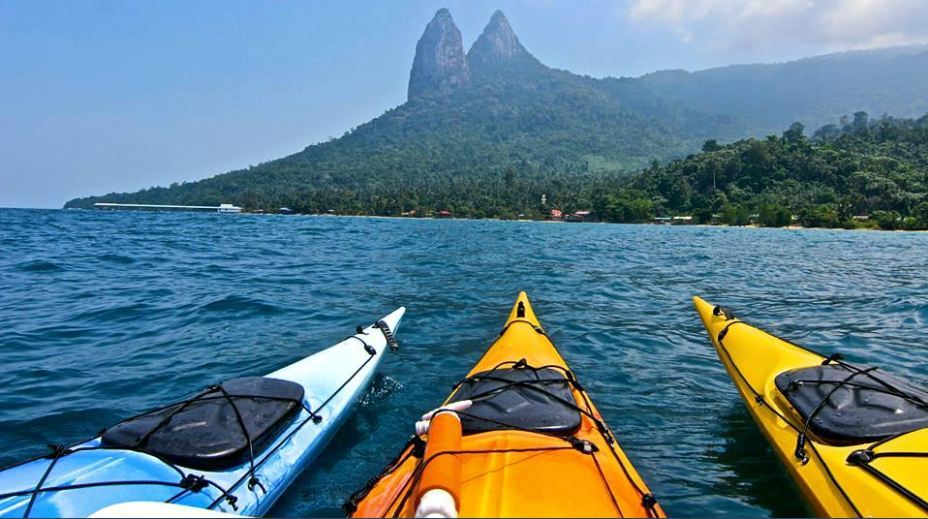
381,388
267,251
45,428
39,266
120,313
46,334
116,258
236,304
213,268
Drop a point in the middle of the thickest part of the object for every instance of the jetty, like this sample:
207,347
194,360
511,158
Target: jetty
221,208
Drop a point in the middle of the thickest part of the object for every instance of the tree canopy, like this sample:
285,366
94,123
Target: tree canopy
869,169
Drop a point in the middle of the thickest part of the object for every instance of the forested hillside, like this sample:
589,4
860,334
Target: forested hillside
877,169
486,133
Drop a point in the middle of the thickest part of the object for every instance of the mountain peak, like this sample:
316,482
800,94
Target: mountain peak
498,44
499,21
440,64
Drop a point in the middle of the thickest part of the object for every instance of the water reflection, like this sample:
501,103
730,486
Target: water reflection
754,474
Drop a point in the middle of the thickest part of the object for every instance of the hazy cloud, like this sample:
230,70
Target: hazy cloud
848,24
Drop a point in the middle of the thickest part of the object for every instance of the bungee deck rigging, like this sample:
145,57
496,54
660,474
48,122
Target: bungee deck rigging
234,446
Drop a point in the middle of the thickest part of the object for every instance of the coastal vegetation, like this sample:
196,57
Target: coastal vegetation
854,173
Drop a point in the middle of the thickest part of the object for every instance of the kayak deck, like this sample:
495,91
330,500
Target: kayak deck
507,470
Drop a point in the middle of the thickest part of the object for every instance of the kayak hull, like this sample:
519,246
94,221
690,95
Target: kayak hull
332,379
518,472
831,485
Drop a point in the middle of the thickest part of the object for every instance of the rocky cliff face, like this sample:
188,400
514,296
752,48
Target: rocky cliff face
498,47
440,65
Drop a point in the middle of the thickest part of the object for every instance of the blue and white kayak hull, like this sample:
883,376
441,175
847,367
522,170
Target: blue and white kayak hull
88,477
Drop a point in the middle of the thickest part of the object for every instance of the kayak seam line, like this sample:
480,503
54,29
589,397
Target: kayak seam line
895,485
602,475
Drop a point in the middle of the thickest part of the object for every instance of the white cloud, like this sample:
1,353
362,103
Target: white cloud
833,24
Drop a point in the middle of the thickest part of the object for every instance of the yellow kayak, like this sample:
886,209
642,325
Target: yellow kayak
854,438
517,437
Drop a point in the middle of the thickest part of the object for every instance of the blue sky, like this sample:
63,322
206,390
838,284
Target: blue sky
100,96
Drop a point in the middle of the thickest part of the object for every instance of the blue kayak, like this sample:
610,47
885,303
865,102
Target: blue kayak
235,447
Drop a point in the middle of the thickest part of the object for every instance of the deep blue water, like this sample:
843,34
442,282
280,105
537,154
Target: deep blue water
106,314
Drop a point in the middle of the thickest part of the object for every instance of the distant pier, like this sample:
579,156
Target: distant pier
221,208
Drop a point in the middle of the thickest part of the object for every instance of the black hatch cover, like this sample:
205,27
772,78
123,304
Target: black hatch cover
868,407
205,433
519,398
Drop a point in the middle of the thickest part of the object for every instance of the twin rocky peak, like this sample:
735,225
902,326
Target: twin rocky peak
440,65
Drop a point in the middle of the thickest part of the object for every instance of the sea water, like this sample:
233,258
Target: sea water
106,314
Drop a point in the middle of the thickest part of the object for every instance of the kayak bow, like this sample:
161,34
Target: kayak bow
518,437
235,447
854,439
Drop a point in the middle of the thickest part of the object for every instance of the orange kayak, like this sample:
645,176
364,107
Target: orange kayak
517,437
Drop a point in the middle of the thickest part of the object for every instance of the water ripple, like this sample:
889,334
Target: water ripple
38,266
239,304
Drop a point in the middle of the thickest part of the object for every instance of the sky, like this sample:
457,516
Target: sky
100,96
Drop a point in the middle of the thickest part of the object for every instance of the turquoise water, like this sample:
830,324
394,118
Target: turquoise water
106,314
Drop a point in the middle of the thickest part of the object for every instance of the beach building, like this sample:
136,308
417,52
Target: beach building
579,216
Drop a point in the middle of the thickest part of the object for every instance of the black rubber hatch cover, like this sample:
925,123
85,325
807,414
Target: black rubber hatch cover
867,407
206,433
522,397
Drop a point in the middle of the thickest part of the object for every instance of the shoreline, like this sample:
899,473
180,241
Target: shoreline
700,225
502,220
